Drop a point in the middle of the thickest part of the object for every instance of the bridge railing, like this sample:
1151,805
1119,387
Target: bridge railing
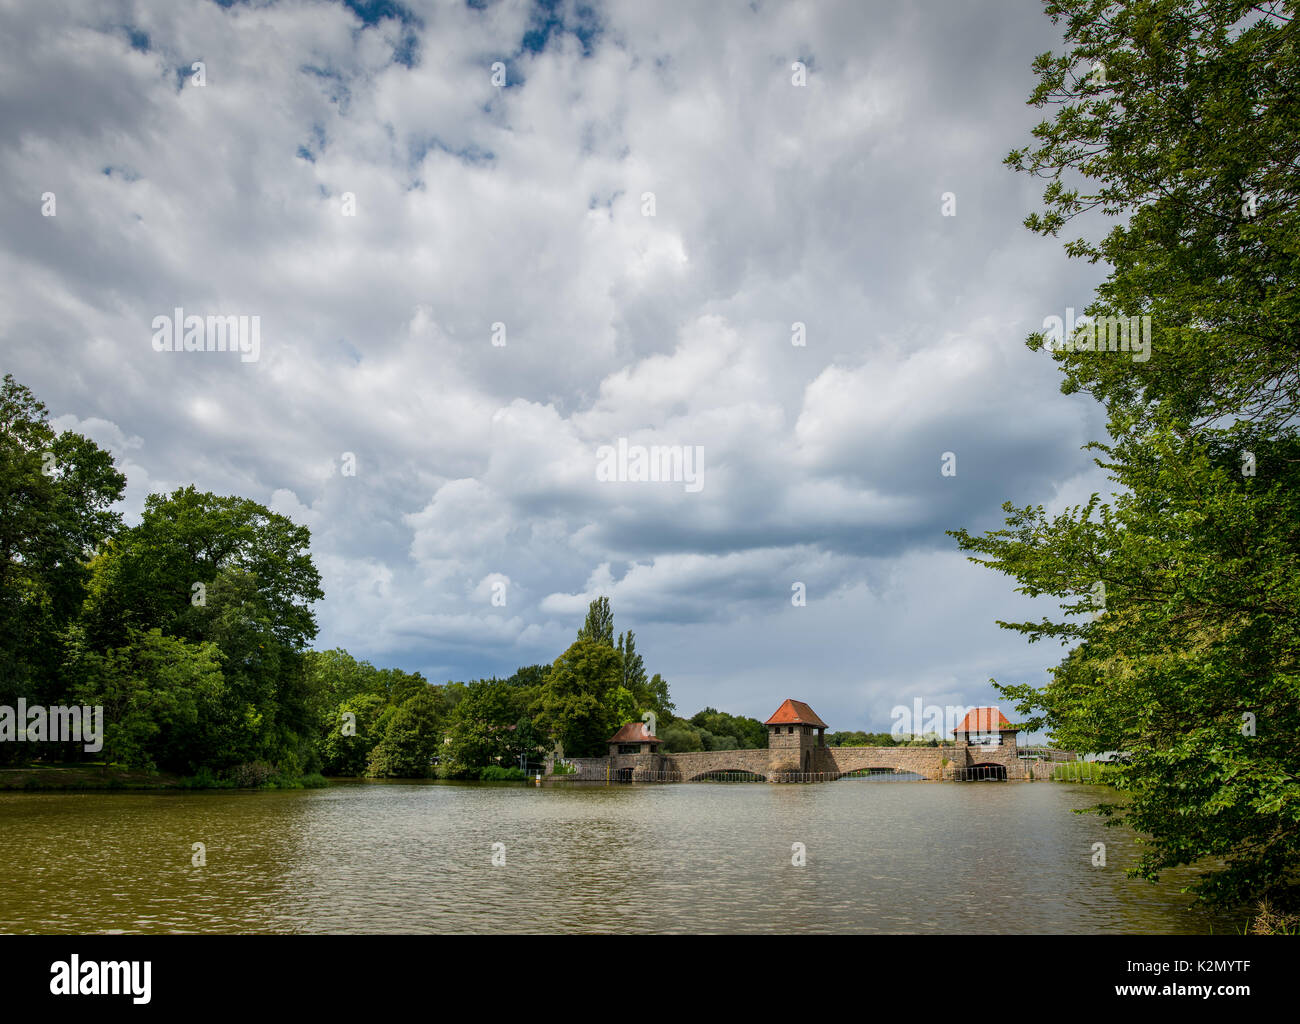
980,773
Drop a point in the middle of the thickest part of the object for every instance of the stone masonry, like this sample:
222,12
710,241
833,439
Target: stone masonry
797,751
771,763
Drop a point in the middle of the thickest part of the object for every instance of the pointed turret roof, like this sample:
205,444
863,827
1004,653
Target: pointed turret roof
795,712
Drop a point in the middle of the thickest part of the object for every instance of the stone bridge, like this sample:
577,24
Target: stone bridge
797,752
932,763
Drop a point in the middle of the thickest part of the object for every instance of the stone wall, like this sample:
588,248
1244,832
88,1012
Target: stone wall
702,762
928,762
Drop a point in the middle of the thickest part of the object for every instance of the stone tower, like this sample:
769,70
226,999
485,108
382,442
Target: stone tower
795,738
986,747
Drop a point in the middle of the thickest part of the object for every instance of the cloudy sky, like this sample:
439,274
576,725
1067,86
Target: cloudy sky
524,205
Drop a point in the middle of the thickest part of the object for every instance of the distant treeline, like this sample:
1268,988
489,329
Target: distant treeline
884,739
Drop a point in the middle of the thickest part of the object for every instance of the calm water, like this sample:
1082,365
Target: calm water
417,857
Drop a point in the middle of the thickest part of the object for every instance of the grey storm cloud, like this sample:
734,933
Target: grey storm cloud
522,206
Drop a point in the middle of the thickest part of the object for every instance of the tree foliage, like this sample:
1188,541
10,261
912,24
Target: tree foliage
56,493
577,707
412,739
599,625
1181,595
156,692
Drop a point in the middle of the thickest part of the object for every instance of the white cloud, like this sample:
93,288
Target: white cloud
475,462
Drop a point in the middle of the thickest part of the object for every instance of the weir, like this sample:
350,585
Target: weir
797,752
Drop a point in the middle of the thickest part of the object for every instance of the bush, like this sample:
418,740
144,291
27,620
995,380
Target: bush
1270,921
564,768
495,773
205,779
251,774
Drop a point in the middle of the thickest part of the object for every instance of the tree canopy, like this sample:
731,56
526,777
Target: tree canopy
56,493
1180,595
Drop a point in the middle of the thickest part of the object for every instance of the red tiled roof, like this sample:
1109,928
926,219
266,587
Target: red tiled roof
983,720
634,732
795,712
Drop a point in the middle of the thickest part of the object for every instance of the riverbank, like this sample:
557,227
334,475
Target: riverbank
90,776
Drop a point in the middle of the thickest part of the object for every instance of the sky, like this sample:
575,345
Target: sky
487,242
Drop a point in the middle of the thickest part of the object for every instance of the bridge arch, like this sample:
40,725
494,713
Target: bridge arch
728,775
883,772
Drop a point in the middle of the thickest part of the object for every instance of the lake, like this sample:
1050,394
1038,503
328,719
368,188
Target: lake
417,857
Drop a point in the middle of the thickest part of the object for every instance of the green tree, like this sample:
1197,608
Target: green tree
532,677
742,733
492,725
599,625
634,677
659,701
228,571
576,709
623,706
1179,117
334,676
680,738
1190,663
351,734
56,490
161,572
412,739
154,691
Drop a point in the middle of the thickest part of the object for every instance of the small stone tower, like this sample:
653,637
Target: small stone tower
795,735
986,747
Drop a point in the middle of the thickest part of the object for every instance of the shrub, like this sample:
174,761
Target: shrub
251,774
495,773
1270,921
205,779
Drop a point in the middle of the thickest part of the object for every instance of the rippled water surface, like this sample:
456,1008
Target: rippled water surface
417,857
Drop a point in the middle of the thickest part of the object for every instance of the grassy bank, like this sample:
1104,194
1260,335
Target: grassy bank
93,776
1083,771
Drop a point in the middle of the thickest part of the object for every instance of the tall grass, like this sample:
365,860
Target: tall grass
1093,772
